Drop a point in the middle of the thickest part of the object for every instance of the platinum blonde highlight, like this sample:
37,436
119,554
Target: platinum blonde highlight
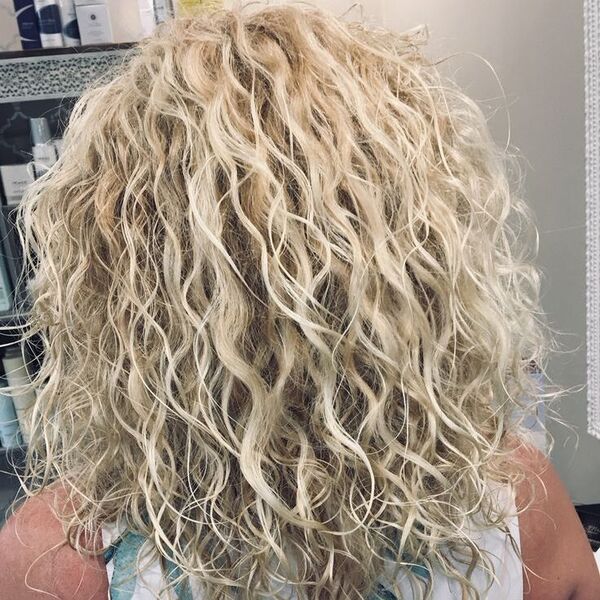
288,304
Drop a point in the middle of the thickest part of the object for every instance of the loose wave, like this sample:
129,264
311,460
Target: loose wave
288,305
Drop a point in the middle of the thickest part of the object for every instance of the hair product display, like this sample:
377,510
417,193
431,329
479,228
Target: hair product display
48,13
153,12
147,16
27,22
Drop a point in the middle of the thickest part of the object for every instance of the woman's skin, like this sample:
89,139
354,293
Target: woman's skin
37,556
554,545
553,541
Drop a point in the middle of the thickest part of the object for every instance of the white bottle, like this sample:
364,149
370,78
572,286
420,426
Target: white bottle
17,377
43,150
163,10
94,23
70,28
152,13
147,17
50,26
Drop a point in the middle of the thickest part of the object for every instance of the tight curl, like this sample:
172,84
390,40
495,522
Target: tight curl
288,306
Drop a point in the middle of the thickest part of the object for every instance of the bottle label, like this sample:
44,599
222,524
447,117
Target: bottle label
49,17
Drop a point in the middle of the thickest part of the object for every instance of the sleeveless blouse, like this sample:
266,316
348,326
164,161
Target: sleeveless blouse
125,583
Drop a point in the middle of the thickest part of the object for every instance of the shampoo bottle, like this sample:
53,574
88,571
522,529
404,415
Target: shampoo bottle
43,150
50,26
70,28
28,24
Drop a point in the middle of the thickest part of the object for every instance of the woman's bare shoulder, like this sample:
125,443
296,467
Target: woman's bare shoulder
558,558
37,560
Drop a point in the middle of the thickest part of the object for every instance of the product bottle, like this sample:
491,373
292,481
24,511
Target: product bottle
147,17
70,28
43,150
10,434
49,22
28,24
163,10
5,287
153,12
94,22
17,377
15,180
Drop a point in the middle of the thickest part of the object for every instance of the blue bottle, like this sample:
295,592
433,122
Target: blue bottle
28,24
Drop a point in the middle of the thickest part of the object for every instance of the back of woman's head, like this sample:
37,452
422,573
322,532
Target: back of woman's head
284,303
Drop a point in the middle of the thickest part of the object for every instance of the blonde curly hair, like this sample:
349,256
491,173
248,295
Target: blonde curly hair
288,305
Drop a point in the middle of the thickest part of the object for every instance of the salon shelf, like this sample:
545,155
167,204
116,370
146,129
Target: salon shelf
66,50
